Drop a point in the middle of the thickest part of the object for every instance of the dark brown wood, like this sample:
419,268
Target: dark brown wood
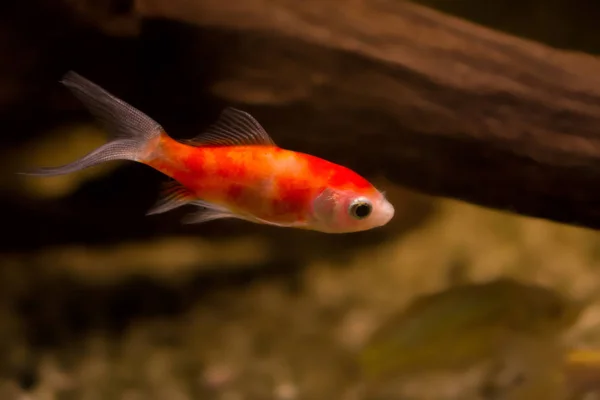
436,103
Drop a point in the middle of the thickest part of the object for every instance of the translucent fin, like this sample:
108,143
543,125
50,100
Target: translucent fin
212,211
209,212
173,195
119,118
132,128
290,225
116,150
233,128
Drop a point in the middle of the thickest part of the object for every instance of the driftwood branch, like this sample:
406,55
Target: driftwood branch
436,103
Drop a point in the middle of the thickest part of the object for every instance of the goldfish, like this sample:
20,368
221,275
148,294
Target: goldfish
233,169
465,324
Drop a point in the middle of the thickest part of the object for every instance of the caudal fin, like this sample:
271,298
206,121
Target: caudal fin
131,129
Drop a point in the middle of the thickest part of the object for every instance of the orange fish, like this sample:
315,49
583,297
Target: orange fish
232,170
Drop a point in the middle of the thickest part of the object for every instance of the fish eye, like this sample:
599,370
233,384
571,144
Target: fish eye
360,208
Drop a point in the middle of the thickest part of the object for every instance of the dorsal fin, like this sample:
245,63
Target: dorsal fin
233,128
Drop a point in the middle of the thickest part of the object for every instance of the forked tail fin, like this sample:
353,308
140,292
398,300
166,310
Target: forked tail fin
132,130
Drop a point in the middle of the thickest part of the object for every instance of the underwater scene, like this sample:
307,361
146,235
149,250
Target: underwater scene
316,200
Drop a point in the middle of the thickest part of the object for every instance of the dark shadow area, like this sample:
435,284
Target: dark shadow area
83,308
59,313
563,24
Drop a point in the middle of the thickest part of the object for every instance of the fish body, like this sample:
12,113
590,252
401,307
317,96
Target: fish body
232,170
280,186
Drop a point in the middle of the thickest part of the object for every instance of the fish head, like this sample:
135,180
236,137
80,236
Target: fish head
344,211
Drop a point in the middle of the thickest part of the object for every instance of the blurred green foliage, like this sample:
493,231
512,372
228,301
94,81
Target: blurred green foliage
465,324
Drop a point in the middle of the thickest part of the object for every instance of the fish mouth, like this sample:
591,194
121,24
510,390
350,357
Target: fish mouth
387,213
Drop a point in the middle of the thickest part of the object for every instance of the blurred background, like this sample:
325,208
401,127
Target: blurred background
99,301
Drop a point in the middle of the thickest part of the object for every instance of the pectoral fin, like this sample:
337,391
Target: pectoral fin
210,212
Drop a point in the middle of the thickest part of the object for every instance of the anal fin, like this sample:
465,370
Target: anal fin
173,195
